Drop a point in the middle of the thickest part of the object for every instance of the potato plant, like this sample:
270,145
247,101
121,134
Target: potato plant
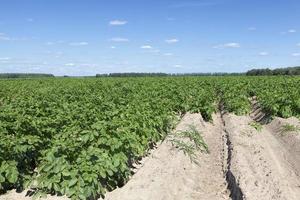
81,137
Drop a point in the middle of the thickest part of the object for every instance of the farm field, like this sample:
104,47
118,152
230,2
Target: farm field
113,138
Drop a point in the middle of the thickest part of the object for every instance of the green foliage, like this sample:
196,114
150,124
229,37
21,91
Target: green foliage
80,137
256,125
287,128
189,147
275,72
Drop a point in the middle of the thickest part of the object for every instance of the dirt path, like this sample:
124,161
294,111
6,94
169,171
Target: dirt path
264,166
169,174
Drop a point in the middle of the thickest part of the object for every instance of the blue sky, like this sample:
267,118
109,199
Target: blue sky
85,37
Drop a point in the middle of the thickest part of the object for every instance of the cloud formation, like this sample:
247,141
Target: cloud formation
177,66
146,47
78,43
5,59
119,39
69,64
4,37
227,45
172,41
117,22
264,53
296,54
29,20
292,31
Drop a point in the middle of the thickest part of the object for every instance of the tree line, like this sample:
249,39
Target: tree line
252,72
24,75
274,72
135,74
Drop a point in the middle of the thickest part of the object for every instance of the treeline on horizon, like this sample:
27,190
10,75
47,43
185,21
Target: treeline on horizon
135,74
24,75
274,72
252,72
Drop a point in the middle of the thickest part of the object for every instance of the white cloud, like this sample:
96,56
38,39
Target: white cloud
112,47
172,41
264,53
146,47
117,22
178,66
227,45
296,54
78,43
292,31
119,39
4,37
288,31
168,54
5,58
49,43
29,20
232,45
252,29
170,19
69,64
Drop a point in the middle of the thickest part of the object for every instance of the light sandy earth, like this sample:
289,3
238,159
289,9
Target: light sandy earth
13,195
265,164
262,163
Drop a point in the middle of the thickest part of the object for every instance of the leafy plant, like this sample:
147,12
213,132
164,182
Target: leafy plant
80,137
256,125
286,128
189,147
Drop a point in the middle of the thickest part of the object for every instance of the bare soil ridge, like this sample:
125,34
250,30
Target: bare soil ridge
261,161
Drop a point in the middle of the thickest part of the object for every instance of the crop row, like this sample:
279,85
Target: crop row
80,137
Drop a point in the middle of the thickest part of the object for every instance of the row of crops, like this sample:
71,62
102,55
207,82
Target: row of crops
80,137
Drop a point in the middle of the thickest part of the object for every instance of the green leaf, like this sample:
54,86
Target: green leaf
12,177
103,174
66,173
73,182
2,179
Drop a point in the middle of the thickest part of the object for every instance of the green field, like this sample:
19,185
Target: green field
80,137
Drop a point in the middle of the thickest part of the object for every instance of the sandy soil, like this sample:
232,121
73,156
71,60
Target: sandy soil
264,166
13,195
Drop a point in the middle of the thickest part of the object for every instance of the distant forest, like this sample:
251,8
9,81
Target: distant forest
252,72
24,75
134,74
274,72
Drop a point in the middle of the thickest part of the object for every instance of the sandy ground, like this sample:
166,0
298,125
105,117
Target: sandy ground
13,195
265,164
